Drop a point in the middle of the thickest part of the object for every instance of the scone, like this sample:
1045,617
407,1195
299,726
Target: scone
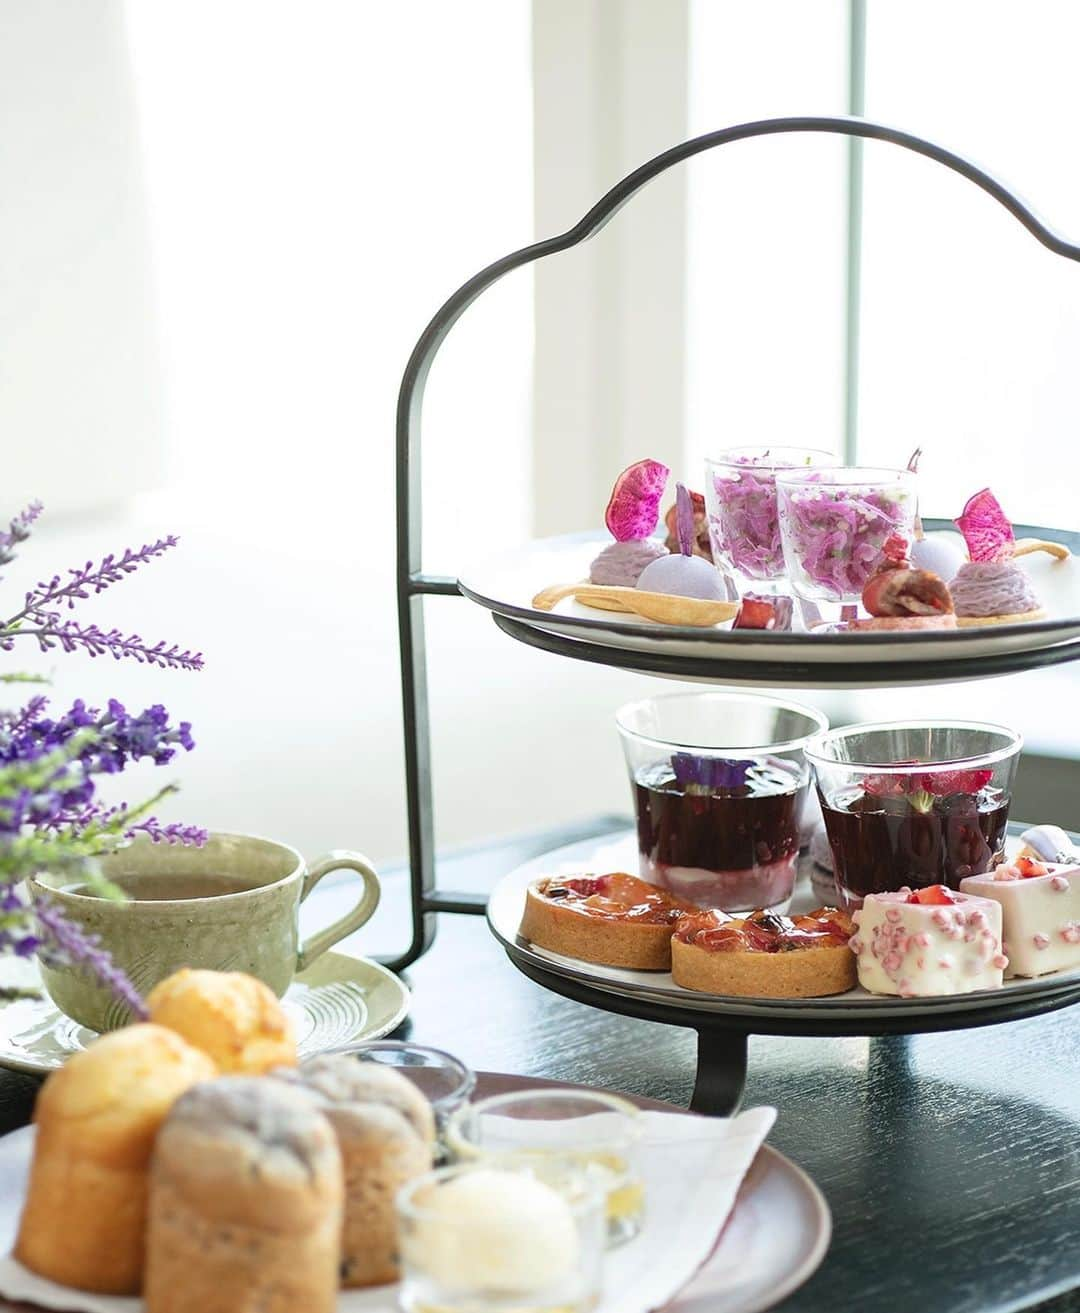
233,1017
386,1133
766,956
617,920
85,1212
245,1203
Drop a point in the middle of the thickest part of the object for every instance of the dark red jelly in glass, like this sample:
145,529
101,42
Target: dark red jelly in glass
881,843
728,847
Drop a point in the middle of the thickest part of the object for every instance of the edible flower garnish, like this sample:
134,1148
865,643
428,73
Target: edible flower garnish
986,528
634,507
708,774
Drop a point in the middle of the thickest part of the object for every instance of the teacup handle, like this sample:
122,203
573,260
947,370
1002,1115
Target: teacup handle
340,858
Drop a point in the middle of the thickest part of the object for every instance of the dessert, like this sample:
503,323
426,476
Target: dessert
85,1212
834,524
1049,843
925,827
245,1203
900,597
1040,910
764,955
928,942
616,919
758,612
990,588
682,573
385,1130
718,831
743,519
702,541
631,517
231,1016
942,554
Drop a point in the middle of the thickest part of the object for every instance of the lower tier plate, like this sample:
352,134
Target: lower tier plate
657,991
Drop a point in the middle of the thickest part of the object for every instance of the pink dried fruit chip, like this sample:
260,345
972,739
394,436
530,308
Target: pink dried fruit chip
634,508
986,528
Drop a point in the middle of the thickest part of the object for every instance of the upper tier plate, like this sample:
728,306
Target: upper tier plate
507,583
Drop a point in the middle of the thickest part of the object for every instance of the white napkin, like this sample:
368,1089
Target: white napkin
692,1168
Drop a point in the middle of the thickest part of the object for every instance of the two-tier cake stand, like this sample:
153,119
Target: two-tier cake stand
725,657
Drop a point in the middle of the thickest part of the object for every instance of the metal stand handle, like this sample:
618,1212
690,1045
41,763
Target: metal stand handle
413,585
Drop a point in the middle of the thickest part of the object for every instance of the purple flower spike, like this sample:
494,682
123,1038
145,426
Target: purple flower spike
708,773
684,519
63,941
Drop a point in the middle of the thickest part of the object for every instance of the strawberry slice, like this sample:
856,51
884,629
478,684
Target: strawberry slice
986,528
1029,868
585,886
944,782
934,895
757,612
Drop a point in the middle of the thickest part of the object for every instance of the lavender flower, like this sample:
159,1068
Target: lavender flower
16,934
90,578
65,942
73,637
17,532
110,739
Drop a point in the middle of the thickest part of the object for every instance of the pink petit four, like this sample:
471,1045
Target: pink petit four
1040,909
930,942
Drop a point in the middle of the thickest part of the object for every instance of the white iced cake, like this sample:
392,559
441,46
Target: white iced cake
1040,910
933,941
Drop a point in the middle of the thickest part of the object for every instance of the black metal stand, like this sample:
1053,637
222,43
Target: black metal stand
414,585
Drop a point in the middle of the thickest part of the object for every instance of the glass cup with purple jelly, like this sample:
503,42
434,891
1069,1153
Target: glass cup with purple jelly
834,524
740,501
719,782
913,802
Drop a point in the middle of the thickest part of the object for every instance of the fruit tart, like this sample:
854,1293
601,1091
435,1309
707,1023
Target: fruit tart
763,955
616,919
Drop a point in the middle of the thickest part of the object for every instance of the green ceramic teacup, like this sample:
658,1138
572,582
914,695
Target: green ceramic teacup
232,905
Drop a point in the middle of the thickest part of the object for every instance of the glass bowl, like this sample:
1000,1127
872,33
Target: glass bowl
515,1236
740,501
444,1080
834,524
599,1132
719,783
913,802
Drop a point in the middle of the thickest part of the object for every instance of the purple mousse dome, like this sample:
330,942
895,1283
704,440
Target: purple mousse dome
684,576
620,564
991,588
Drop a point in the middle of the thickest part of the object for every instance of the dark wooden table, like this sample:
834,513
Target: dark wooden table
951,1162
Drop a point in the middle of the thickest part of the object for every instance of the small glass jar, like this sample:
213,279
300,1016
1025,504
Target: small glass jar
719,783
517,1235
597,1131
913,802
834,524
442,1079
740,501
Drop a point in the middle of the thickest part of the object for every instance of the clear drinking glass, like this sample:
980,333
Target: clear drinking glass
740,500
834,524
444,1080
719,782
514,1236
598,1132
913,802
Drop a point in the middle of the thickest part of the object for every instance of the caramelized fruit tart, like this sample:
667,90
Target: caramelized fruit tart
763,955
616,919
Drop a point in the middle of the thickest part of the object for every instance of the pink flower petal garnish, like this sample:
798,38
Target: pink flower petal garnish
634,508
986,528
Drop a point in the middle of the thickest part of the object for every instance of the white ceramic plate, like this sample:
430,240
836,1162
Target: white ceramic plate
506,584
338,1000
775,1239
620,854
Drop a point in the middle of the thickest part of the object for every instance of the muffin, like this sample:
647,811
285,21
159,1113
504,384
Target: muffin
386,1132
245,1203
233,1017
84,1217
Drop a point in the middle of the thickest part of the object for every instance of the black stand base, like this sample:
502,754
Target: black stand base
721,1072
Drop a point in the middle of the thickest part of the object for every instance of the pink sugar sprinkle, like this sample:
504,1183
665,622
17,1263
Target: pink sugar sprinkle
1059,884
893,915
1040,940
1071,933
945,963
1000,961
922,939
